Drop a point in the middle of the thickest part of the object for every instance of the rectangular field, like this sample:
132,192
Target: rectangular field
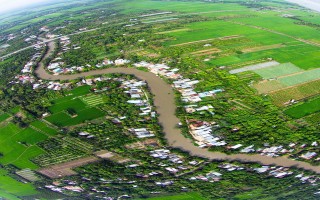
92,100
18,146
254,67
65,169
63,119
75,104
184,196
4,117
304,109
9,187
44,127
299,78
278,70
297,93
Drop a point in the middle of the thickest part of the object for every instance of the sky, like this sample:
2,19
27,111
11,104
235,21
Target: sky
7,5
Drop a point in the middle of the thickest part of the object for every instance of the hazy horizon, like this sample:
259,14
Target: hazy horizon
9,5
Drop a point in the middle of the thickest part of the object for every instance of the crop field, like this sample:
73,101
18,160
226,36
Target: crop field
64,119
73,103
10,188
43,127
277,71
185,196
18,146
297,93
304,109
259,66
313,118
65,169
264,87
299,78
4,116
93,100
284,76
62,150
83,106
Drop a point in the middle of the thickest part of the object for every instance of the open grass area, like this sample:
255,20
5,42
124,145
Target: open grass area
304,109
18,146
185,196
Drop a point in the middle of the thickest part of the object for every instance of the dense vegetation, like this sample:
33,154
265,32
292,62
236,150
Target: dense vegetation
204,41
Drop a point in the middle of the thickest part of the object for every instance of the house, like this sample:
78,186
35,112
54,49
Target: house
121,62
308,155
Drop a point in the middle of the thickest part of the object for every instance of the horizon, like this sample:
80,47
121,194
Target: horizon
12,5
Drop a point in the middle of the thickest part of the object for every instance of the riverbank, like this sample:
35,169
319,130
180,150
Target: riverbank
164,101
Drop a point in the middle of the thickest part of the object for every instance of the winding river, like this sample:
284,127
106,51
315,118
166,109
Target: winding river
164,101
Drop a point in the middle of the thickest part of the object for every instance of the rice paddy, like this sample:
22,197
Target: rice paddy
304,109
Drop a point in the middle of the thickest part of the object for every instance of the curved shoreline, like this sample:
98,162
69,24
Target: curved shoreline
164,101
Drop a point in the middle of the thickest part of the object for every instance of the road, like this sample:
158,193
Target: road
164,101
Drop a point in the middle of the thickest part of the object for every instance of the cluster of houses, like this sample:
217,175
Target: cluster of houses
277,172
201,131
160,69
138,96
67,185
210,177
184,86
165,154
85,134
141,132
27,68
26,72
30,38
195,108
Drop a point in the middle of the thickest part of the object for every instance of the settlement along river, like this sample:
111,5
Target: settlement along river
164,102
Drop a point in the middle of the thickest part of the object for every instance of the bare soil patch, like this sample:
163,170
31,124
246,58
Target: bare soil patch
65,169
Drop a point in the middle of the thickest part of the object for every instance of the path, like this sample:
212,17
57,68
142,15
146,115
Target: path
164,101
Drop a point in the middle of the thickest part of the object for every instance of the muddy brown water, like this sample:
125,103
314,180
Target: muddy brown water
164,101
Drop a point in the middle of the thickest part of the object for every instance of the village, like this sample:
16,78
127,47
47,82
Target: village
201,131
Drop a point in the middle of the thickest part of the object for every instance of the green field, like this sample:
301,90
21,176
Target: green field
295,78
300,78
304,109
43,127
63,119
75,104
18,145
82,105
4,116
279,70
10,188
186,196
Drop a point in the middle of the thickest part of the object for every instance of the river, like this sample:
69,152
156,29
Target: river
164,101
